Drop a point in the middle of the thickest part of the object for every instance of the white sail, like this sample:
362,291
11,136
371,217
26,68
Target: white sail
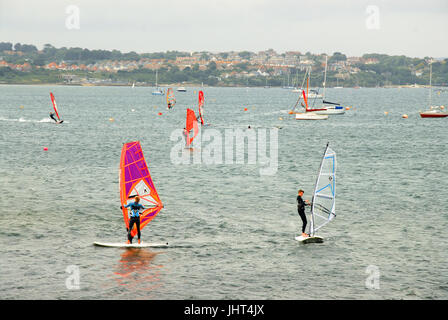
324,196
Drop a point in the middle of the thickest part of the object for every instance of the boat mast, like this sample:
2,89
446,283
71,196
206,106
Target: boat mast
301,87
325,76
308,83
430,83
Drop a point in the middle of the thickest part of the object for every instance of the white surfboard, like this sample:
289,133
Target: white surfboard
314,239
132,245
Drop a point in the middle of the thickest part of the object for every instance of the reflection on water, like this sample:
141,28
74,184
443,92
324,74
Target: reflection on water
136,269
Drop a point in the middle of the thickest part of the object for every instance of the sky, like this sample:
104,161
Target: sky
414,28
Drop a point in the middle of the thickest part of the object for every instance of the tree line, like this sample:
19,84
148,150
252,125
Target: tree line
389,70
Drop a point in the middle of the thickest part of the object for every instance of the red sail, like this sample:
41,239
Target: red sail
54,105
192,123
305,99
306,104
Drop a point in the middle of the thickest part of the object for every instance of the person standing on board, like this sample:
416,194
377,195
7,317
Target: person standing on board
186,135
301,210
134,218
52,116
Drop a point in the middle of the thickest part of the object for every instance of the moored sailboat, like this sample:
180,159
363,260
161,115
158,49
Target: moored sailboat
307,115
434,111
158,91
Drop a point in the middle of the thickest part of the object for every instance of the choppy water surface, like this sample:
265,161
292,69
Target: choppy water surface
231,230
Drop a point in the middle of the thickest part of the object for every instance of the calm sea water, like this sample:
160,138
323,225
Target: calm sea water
231,230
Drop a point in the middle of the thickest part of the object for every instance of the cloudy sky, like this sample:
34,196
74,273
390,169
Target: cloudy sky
415,28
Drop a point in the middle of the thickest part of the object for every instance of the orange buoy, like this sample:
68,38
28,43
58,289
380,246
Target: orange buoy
245,109
386,113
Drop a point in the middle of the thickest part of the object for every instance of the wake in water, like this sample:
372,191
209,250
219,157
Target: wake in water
44,120
275,112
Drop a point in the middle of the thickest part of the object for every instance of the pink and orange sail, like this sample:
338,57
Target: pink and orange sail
191,124
170,100
55,107
201,105
135,180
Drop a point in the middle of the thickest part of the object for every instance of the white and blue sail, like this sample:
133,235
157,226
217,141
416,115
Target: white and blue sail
324,197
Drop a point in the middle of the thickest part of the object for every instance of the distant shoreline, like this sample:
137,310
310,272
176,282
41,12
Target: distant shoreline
198,85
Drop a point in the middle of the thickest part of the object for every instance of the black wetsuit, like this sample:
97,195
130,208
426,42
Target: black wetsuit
52,117
301,210
133,220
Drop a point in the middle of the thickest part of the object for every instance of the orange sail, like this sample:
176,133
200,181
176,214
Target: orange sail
192,124
135,180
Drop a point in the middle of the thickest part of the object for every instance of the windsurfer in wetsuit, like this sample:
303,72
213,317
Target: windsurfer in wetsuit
52,116
134,218
301,210
186,134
